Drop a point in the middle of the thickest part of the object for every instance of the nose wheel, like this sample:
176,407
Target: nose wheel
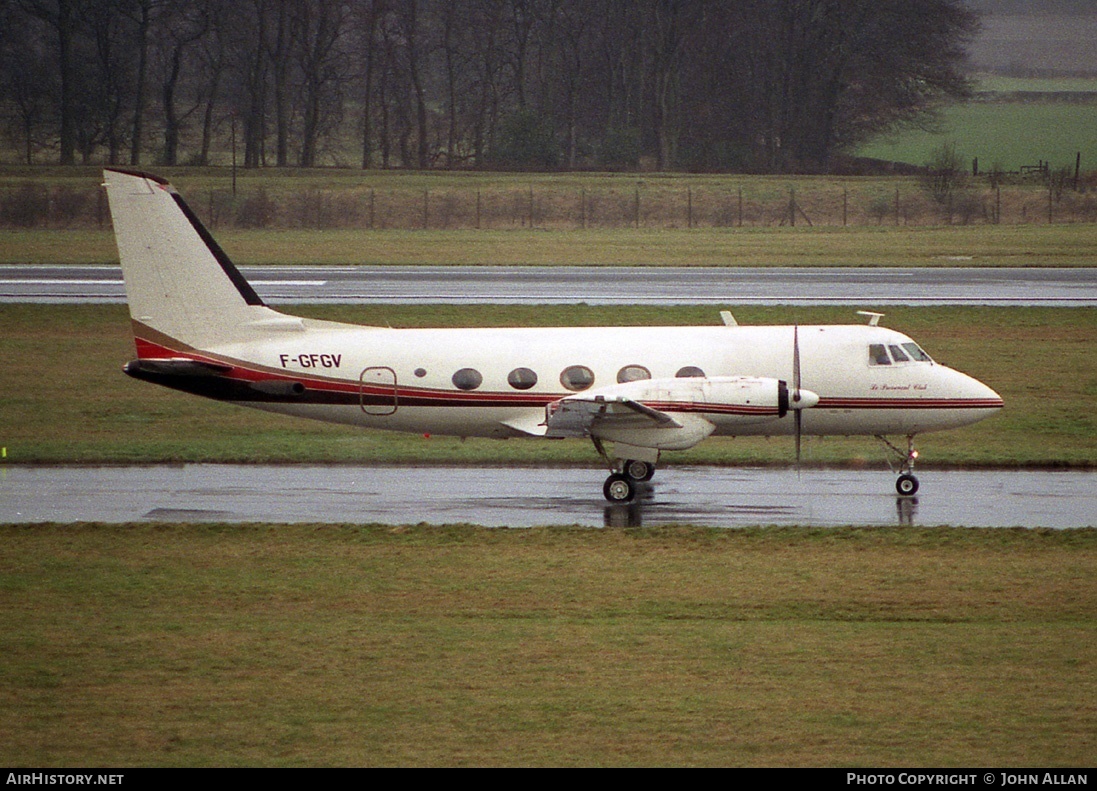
906,484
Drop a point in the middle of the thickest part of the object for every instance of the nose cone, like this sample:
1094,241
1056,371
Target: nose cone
980,395
972,400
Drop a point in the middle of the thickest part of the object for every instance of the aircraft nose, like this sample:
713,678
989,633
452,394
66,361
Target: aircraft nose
984,395
974,395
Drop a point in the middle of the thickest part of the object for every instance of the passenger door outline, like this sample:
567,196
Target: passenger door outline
382,399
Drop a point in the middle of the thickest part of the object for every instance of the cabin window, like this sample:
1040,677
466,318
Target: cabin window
690,372
633,373
577,377
916,353
522,378
420,372
467,379
878,354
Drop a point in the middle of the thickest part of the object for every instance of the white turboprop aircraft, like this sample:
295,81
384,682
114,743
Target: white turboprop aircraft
199,327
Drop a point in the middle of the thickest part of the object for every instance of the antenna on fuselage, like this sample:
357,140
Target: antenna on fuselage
873,318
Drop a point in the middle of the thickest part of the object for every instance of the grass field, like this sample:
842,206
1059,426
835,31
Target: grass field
183,645
1006,135
64,399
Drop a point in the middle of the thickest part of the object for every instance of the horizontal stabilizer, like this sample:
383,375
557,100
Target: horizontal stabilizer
180,366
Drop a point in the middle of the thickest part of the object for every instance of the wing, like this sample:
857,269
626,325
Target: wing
617,418
669,414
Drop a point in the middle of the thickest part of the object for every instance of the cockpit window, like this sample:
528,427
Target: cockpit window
878,353
916,353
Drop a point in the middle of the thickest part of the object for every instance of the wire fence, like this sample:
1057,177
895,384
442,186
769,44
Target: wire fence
34,205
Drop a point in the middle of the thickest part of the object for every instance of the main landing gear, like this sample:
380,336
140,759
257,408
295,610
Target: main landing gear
620,487
906,484
625,475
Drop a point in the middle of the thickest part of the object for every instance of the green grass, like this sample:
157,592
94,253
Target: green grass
310,645
63,397
1003,134
1003,84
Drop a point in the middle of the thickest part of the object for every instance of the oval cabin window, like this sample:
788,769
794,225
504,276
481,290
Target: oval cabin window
467,379
522,378
633,373
577,377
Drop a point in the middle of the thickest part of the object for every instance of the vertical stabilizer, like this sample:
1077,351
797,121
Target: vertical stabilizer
179,282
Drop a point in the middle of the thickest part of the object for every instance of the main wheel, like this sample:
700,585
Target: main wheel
619,488
639,470
906,484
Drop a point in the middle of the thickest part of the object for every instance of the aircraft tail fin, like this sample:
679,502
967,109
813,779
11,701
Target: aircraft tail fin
180,285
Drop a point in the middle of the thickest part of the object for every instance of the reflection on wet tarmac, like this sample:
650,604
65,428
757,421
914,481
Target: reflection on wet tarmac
526,497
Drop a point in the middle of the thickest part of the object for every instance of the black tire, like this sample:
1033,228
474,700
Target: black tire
619,488
906,484
639,470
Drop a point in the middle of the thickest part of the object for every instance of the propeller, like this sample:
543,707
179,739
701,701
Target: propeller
797,409
795,398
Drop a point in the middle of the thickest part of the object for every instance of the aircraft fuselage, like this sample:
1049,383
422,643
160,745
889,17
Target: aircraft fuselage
407,379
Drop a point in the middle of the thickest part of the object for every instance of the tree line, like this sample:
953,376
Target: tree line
736,85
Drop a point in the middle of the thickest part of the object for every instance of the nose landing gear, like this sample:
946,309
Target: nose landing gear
906,484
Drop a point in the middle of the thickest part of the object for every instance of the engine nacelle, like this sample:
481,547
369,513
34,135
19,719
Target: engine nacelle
746,399
672,414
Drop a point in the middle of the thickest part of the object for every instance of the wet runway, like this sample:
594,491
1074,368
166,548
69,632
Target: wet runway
1066,287
527,497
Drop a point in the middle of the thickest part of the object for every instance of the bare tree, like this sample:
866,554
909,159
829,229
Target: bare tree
28,84
319,27
61,16
178,29
366,15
